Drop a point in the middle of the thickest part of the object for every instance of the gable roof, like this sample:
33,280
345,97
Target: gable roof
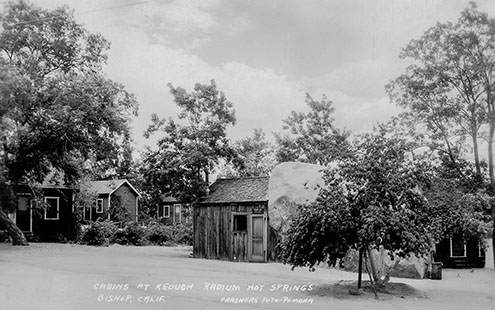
238,190
110,186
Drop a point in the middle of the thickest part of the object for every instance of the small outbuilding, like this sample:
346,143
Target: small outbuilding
231,222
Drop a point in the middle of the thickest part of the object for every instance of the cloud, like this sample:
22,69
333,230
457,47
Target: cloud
188,23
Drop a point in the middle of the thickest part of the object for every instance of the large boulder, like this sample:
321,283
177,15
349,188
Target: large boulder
291,185
411,267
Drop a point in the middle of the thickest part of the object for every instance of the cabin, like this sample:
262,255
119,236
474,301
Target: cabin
170,211
456,252
112,194
49,217
231,222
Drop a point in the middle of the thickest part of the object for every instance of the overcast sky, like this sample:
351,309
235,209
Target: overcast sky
264,55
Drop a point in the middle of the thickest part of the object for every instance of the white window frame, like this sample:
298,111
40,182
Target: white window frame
179,206
58,209
166,214
451,249
98,201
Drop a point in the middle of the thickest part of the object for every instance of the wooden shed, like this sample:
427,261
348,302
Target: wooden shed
231,222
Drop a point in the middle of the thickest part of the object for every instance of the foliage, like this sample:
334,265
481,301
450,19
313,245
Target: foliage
99,233
255,156
40,42
104,233
459,204
158,234
370,200
131,234
191,146
118,212
182,234
65,117
448,88
312,137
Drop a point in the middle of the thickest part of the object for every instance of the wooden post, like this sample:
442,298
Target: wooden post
360,267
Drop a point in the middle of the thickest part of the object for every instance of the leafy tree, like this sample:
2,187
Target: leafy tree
255,156
371,199
63,118
191,146
312,137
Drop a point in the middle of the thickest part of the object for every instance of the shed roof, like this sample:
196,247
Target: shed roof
110,186
238,190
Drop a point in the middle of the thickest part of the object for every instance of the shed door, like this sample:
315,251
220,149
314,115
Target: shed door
258,238
23,214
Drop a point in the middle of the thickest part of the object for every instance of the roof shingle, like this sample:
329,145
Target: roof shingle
238,190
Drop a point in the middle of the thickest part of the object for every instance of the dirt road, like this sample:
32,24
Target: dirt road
60,277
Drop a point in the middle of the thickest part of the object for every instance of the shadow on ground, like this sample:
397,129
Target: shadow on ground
389,290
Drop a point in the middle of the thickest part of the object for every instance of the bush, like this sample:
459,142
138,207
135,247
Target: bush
98,233
131,234
106,232
157,233
182,234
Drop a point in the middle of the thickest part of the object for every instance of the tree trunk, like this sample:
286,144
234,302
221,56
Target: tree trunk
476,156
18,237
491,119
360,268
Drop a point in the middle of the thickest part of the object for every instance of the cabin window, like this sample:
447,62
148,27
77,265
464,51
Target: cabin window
52,208
177,213
99,205
166,211
240,222
457,246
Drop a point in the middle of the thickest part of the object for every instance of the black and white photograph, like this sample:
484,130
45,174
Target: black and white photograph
247,154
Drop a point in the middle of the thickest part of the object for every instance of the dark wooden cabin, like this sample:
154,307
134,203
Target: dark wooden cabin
231,222
52,222
170,211
455,252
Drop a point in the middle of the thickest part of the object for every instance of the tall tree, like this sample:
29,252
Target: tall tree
450,86
65,117
312,137
192,145
255,155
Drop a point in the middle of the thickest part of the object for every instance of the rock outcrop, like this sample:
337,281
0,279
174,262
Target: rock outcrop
291,184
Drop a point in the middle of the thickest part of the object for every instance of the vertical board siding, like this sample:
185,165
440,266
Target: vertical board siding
213,234
128,199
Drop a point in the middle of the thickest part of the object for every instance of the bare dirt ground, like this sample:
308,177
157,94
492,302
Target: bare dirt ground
60,277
